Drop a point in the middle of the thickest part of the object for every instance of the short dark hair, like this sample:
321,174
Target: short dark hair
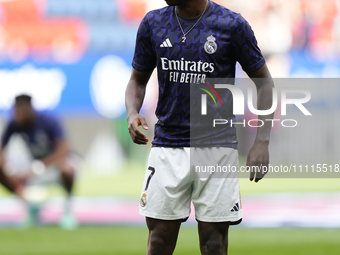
23,99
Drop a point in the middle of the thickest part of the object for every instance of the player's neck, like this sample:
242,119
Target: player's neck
191,8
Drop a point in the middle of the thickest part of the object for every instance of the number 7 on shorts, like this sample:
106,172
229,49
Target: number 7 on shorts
150,176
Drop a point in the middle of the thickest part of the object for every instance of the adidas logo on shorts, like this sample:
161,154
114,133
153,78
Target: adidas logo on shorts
236,208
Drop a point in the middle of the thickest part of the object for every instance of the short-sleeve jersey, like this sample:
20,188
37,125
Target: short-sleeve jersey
41,135
211,49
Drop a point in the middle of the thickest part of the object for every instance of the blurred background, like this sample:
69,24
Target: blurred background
74,57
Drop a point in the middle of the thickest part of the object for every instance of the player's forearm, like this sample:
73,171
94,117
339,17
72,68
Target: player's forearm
265,101
58,156
134,97
135,91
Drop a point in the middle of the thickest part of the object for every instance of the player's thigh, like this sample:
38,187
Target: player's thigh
165,229
216,196
215,233
167,186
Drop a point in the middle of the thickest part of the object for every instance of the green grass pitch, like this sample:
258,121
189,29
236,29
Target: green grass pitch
132,240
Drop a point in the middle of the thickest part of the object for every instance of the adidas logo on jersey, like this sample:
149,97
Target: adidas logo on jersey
166,44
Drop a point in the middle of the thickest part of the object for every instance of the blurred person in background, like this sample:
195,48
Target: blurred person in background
51,158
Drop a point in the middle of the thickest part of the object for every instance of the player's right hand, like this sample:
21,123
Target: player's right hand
137,136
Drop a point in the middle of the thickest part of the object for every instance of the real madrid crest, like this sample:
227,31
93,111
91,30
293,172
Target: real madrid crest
210,46
143,200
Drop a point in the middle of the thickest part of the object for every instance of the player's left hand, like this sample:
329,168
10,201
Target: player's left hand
258,157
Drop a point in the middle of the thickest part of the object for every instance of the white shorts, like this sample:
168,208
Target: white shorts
52,175
172,183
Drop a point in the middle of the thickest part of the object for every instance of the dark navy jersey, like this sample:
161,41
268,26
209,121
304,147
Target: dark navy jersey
40,136
219,40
